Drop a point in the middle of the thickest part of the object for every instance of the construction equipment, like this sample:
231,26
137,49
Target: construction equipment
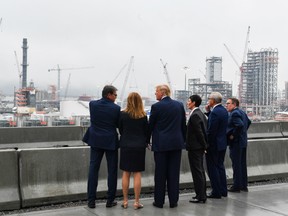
167,75
67,86
118,74
58,69
18,68
243,61
131,62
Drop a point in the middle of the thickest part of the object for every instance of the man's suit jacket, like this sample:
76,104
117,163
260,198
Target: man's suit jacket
217,126
196,137
235,128
104,117
167,123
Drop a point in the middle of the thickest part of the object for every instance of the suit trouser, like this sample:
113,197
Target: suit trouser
167,170
96,156
244,182
239,166
216,171
198,173
235,155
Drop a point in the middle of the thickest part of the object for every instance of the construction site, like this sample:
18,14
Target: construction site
257,90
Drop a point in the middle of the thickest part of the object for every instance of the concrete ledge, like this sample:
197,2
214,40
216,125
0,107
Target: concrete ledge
284,128
9,187
53,175
40,134
262,130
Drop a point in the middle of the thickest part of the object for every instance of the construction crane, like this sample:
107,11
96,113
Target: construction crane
18,68
58,69
240,67
118,74
67,86
167,75
131,62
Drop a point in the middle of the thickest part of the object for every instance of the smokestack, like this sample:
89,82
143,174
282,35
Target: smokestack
24,63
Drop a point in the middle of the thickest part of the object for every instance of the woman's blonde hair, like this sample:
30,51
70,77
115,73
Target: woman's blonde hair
135,107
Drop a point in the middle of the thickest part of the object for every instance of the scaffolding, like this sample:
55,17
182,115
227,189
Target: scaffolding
259,78
205,89
213,69
259,81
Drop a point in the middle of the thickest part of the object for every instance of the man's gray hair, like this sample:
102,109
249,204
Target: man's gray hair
216,96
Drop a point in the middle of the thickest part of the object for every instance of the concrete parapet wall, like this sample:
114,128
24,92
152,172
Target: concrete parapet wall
40,176
9,185
53,175
261,130
38,137
40,134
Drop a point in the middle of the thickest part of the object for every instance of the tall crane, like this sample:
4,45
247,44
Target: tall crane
131,62
67,86
240,67
18,68
58,69
167,75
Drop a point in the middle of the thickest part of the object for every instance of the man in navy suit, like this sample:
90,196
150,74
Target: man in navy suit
217,142
238,125
167,124
102,137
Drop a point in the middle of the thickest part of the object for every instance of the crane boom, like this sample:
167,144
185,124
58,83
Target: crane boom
246,45
58,69
166,74
18,68
240,67
67,86
126,79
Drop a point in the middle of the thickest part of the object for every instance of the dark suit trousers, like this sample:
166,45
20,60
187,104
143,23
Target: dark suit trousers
235,155
244,182
239,166
198,173
167,170
96,156
216,171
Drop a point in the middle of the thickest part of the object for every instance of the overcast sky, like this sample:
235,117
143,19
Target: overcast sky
105,34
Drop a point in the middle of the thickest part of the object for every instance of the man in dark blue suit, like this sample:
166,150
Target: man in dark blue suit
238,125
102,137
217,142
167,124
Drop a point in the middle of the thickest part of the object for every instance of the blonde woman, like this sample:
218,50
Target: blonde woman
133,128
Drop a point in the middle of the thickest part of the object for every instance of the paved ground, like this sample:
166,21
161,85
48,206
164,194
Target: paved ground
264,200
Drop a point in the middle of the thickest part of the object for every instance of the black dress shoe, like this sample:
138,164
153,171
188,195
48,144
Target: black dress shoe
173,205
157,205
111,204
91,204
244,189
212,196
234,190
197,200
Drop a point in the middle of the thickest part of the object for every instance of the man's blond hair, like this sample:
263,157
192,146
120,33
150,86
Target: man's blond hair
165,90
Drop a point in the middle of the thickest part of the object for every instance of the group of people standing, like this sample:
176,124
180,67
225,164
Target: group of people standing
167,129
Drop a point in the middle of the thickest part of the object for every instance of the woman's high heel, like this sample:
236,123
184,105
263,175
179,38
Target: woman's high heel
124,205
138,205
